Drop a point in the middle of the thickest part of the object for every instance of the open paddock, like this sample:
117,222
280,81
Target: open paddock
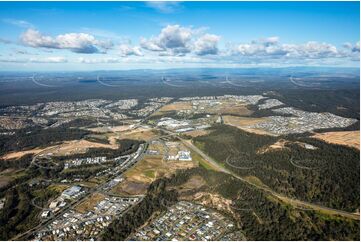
347,138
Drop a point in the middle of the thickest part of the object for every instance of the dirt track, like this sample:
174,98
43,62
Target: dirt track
294,202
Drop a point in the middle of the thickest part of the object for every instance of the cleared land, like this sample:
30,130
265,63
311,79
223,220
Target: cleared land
9,175
176,106
157,146
127,188
279,145
89,204
4,181
196,133
120,128
146,171
243,122
231,108
224,107
154,167
135,134
347,138
58,187
195,182
66,148
18,154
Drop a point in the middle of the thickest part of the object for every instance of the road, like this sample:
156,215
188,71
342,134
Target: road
73,204
292,201
215,165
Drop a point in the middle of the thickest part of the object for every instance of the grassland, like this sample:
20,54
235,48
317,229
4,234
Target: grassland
347,138
230,107
64,149
58,188
151,168
176,106
196,133
243,122
89,204
9,175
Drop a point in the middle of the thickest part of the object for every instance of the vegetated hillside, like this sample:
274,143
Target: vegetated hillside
257,215
38,137
328,175
19,214
342,102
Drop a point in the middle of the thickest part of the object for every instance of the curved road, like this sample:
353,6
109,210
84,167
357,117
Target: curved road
295,202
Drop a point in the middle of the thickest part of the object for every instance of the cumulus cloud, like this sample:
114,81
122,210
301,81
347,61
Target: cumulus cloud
273,40
173,39
179,44
75,42
271,48
351,50
126,50
356,48
351,47
311,49
207,44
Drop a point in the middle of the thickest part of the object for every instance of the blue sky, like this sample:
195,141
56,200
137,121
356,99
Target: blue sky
132,35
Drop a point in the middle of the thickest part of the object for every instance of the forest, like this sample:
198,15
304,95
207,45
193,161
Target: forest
37,137
328,175
257,215
18,214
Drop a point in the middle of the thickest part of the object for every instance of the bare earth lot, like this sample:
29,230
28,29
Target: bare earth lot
347,138
243,122
66,148
146,171
196,133
89,203
176,106
231,108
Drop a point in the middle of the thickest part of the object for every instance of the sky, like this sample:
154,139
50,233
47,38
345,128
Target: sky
66,36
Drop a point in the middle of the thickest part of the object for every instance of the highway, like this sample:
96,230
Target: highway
292,201
214,164
100,189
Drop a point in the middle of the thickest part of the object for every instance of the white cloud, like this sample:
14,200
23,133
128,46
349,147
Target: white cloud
21,52
151,44
18,23
172,40
164,6
271,48
50,59
76,42
99,60
207,44
351,47
4,41
175,40
273,40
126,50
179,44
